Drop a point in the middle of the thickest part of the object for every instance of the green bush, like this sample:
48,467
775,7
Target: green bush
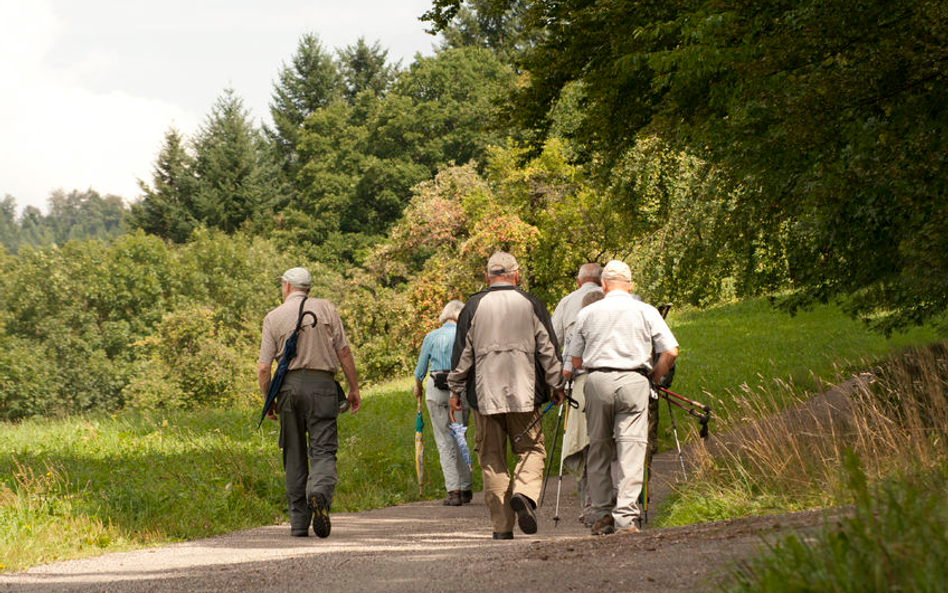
188,363
26,379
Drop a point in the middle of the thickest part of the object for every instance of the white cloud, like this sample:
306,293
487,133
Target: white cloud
56,133
89,88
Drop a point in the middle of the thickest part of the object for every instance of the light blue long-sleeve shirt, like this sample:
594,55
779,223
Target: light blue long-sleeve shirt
436,350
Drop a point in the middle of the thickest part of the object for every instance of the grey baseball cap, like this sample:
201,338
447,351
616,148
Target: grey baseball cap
502,262
298,278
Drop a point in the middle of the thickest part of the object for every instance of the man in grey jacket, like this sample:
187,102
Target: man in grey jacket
506,362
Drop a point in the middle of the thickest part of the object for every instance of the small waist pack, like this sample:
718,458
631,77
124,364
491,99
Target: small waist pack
440,380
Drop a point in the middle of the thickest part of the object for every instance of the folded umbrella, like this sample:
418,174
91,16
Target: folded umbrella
459,432
419,448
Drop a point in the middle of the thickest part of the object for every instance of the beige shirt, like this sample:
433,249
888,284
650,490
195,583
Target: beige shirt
316,347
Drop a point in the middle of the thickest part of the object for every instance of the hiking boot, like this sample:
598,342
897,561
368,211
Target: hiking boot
453,499
503,535
466,496
604,526
526,516
300,532
628,529
321,524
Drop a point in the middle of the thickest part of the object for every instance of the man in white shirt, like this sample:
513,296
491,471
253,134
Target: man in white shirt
575,441
564,315
614,340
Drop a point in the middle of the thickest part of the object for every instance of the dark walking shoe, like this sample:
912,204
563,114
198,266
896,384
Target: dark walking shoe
604,526
503,535
526,516
466,496
300,532
453,499
321,524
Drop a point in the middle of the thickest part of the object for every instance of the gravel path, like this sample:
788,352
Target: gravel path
429,547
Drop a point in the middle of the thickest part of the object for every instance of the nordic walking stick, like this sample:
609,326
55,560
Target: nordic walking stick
681,459
559,483
549,464
534,423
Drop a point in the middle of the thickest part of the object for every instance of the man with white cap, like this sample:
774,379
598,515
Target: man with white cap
614,340
307,402
505,361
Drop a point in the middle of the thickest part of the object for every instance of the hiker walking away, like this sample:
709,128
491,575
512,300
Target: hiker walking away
575,441
564,315
575,436
614,340
505,362
307,402
434,360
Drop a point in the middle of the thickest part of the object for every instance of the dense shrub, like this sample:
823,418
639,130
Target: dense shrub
93,326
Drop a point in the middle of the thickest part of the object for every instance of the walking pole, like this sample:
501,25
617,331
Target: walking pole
559,484
677,444
644,518
549,464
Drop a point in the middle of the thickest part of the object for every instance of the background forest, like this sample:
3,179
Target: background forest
725,150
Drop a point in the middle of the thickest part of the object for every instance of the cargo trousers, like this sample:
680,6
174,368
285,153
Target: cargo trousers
309,438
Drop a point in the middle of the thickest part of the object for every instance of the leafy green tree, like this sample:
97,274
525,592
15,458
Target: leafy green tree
9,228
237,179
365,68
34,229
496,26
312,80
828,113
84,215
167,207
360,161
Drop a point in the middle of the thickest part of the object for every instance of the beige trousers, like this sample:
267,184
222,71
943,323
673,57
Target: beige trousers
493,431
617,417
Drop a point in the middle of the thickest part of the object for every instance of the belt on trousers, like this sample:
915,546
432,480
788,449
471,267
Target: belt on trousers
642,371
312,373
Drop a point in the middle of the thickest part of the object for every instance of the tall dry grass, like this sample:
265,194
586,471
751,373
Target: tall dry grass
764,458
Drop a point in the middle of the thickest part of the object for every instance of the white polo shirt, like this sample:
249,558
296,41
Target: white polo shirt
620,332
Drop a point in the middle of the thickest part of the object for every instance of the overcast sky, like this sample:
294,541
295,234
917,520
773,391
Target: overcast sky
89,87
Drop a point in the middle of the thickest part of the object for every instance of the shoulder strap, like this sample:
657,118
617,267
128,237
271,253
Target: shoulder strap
299,320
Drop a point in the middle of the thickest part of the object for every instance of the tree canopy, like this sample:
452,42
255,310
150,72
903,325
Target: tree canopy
829,114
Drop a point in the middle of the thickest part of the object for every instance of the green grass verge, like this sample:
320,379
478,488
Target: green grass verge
752,343
82,486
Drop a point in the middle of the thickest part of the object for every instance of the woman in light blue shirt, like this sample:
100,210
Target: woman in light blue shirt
435,361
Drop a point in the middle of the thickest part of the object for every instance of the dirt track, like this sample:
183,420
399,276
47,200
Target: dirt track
429,547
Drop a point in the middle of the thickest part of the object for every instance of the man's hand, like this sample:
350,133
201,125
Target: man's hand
417,390
272,412
454,402
559,396
355,400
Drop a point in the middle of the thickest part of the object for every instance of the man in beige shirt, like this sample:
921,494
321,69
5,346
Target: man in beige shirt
307,402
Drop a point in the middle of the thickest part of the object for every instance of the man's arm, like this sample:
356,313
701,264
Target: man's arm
419,388
263,380
349,370
665,361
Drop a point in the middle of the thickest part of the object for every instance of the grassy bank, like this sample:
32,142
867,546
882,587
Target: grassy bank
86,485
82,486
727,349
